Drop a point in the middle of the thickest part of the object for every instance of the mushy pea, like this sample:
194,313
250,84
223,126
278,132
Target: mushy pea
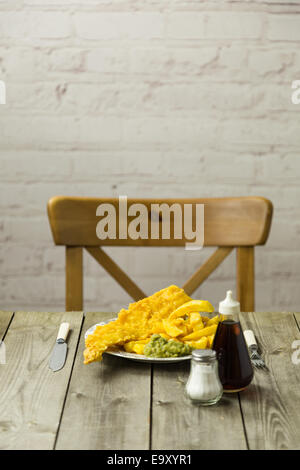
161,347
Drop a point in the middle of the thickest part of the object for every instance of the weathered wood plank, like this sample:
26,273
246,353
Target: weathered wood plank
5,318
108,403
31,395
269,405
177,423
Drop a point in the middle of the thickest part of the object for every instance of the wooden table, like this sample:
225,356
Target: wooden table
120,404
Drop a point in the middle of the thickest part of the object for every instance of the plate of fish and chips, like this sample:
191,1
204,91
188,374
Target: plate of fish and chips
162,328
117,351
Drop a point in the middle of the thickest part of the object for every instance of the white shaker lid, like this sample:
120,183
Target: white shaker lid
229,306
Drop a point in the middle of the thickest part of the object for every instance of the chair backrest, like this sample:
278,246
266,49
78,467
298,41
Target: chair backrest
239,222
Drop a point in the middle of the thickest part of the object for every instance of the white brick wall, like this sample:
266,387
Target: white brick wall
172,98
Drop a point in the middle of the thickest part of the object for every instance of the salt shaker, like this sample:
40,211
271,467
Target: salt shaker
203,386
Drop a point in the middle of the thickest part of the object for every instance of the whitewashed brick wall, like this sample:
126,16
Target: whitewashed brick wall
146,97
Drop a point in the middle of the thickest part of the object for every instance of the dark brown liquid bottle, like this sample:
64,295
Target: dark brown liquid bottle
235,369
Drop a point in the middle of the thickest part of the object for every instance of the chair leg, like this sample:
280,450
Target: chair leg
245,278
74,279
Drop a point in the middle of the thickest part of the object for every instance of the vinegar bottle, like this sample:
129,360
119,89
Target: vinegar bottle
235,369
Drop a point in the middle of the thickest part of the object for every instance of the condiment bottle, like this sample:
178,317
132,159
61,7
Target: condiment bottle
203,386
235,369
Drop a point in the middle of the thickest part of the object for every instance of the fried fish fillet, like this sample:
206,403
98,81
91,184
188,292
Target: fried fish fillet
138,322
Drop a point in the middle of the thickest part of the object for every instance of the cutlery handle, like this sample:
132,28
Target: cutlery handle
250,338
63,331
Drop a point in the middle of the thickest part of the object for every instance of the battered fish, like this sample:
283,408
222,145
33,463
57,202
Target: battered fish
138,322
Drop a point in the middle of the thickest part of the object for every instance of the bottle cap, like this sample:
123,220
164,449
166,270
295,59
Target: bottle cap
204,355
229,306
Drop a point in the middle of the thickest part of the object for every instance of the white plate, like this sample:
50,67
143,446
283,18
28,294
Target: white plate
133,356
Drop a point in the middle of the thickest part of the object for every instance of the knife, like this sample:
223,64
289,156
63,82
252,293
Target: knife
59,353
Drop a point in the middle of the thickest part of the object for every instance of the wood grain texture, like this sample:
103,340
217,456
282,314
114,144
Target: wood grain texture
206,269
74,278
116,272
231,221
270,404
108,402
32,395
245,278
109,406
5,318
179,424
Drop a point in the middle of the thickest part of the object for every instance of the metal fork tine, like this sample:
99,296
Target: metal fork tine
255,356
259,364
257,361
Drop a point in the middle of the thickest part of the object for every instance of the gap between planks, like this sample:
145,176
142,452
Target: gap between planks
69,381
243,421
12,314
105,390
150,407
268,404
8,331
296,316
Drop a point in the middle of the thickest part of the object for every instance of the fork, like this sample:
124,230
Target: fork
255,357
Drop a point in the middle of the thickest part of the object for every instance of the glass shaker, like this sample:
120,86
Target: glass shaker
235,369
203,386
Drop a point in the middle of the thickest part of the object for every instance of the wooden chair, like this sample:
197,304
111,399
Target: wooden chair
241,223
